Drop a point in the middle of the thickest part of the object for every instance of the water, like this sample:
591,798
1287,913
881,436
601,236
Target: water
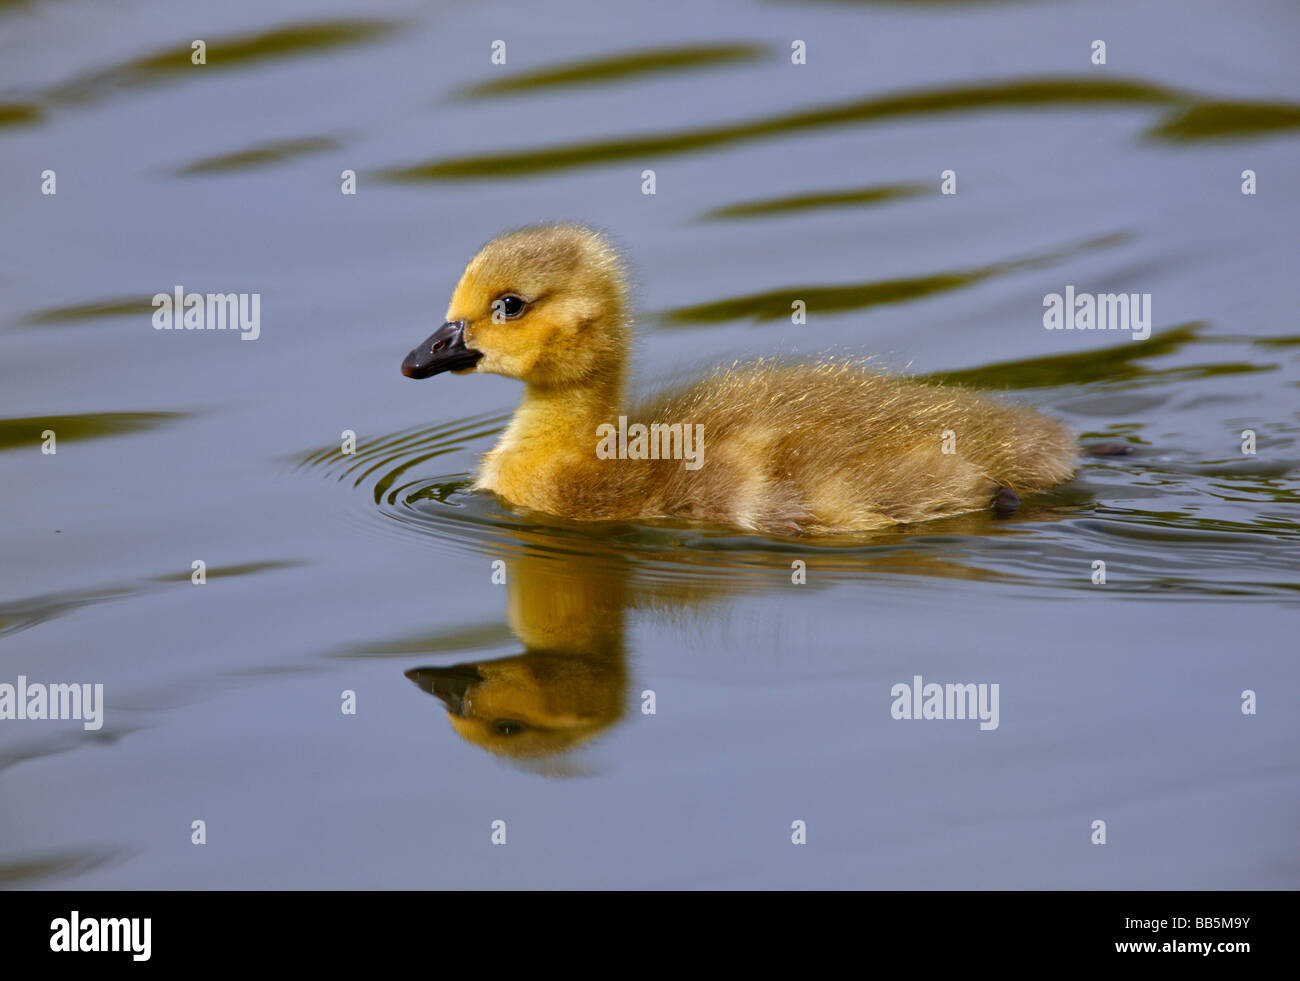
373,573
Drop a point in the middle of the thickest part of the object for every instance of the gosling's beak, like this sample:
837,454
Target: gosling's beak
449,684
445,350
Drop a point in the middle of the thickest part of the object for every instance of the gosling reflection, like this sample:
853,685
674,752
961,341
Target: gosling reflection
570,683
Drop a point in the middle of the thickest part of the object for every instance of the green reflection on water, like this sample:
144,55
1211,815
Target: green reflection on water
54,864
227,571
1227,121
629,64
224,54
26,432
1291,341
261,155
776,304
104,309
1026,93
19,113
1113,363
813,201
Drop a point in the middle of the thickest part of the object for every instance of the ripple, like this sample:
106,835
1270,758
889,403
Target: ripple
1170,548
672,555
445,508
392,455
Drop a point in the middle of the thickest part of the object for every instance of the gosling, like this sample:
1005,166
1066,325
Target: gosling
783,448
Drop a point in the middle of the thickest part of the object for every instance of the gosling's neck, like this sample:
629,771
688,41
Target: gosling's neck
551,426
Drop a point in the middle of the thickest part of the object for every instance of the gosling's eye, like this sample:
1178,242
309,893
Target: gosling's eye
507,307
508,727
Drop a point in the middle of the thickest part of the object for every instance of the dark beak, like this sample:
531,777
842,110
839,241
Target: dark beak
449,684
444,351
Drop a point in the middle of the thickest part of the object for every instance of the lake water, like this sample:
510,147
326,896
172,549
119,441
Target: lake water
372,573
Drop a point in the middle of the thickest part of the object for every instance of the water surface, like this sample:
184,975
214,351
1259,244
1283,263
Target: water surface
373,572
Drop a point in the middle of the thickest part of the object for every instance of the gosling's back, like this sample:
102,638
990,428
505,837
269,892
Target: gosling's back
821,448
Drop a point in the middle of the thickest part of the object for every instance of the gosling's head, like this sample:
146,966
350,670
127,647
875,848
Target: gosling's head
545,304
537,704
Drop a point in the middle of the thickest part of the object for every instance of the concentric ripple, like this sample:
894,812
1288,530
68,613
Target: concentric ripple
1133,511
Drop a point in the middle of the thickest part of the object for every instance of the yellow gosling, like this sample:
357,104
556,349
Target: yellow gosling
768,446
